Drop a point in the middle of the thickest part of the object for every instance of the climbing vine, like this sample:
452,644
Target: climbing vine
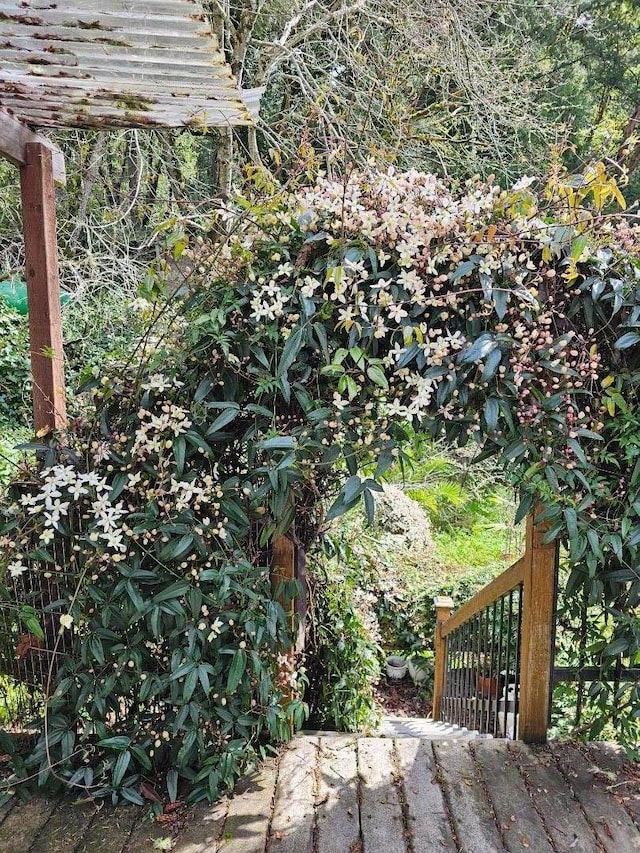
331,320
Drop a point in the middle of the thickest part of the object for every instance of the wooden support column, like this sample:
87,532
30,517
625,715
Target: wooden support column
43,287
444,606
538,634
283,568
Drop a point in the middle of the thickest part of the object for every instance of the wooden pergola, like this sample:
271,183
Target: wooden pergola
82,64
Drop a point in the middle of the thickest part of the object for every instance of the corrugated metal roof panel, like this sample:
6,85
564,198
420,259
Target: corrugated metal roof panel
130,63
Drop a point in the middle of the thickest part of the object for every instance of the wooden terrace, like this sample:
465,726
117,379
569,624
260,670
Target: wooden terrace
344,794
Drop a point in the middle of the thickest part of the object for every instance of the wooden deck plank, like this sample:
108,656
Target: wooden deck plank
472,814
293,811
66,826
428,820
144,834
109,831
338,808
615,830
6,808
381,812
204,829
520,823
611,759
24,822
554,800
247,823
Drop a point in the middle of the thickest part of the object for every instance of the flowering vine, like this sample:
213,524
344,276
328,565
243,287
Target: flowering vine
331,322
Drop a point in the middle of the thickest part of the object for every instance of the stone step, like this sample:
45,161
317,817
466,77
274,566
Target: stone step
423,727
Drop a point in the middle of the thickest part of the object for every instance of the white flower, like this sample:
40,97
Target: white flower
76,490
338,402
524,182
157,382
397,312
47,536
29,500
17,569
113,539
66,621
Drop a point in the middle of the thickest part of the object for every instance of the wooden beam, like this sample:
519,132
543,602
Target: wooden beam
14,138
538,634
283,568
43,287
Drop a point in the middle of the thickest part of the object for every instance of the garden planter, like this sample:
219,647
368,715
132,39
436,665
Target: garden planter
396,667
419,670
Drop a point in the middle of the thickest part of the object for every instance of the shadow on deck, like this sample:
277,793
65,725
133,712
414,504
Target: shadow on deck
342,794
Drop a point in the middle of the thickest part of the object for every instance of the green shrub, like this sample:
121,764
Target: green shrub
10,437
343,658
15,381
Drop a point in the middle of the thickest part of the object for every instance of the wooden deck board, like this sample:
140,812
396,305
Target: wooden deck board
472,814
426,810
514,808
381,812
204,829
292,825
66,825
613,826
23,824
338,823
344,794
247,823
109,830
563,817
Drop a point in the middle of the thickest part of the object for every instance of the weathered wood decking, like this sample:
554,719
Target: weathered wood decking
341,794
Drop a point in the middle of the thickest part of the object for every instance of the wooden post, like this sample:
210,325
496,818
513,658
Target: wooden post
444,606
538,634
283,568
43,287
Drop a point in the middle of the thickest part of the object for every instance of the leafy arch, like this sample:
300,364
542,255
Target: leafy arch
328,324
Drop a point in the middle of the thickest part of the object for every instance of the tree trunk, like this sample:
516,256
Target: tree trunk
225,164
628,156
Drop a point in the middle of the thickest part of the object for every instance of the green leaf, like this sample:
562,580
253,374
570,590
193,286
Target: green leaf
175,590
491,412
190,684
630,339
479,349
617,647
177,548
179,450
236,670
500,300
491,365
118,743
141,757
120,768
172,784
463,270
132,796
224,418
290,351
377,376
278,442
369,506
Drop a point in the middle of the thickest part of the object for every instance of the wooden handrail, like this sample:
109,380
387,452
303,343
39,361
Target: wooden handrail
504,583
536,573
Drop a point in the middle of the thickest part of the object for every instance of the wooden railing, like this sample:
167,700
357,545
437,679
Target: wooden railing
494,656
